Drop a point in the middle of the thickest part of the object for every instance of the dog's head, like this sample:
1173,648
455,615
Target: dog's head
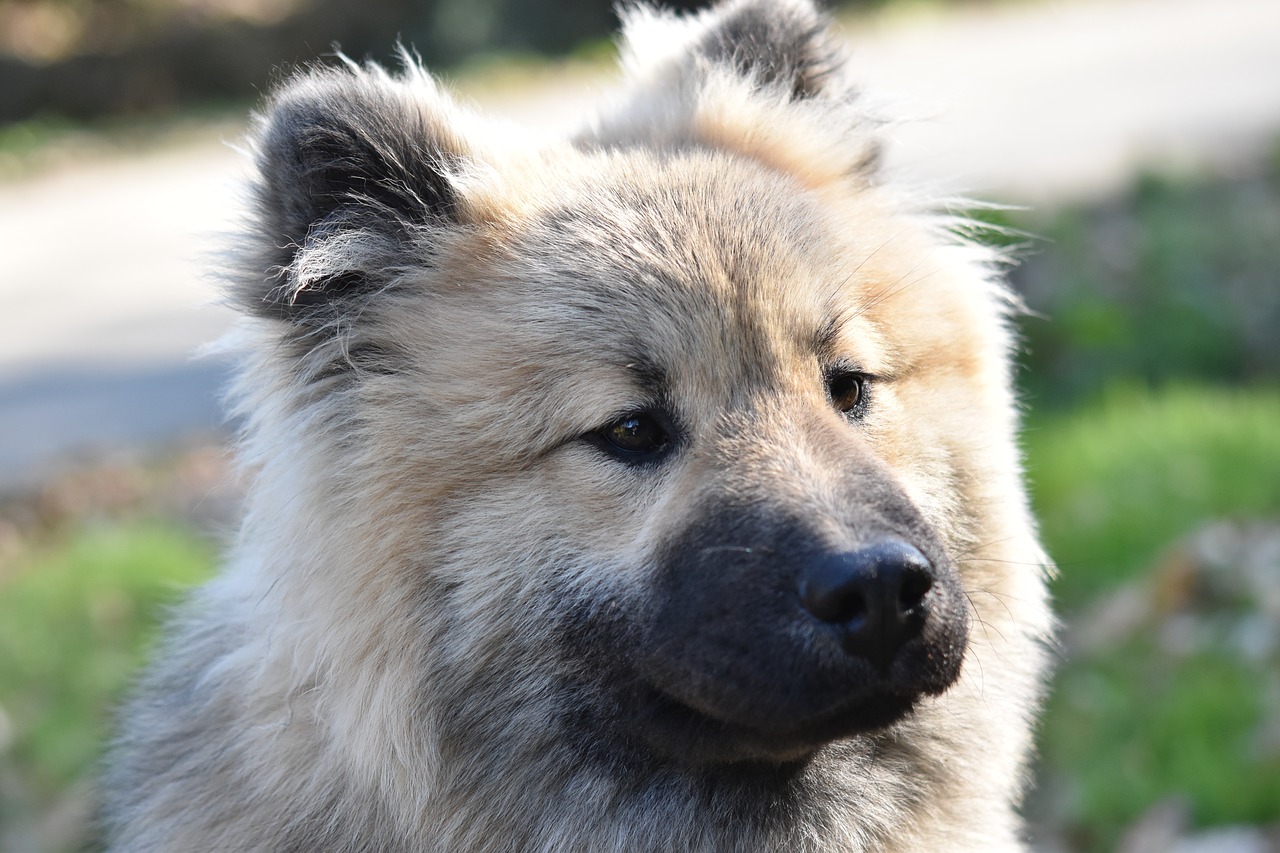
678,438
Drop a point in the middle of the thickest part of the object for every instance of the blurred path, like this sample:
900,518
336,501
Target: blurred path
1049,102
105,295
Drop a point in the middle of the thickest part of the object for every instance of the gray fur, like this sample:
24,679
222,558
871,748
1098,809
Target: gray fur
777,44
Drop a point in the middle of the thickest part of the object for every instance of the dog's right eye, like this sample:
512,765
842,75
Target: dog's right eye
635,437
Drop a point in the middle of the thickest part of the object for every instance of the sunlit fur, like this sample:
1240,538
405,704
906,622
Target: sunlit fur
435,314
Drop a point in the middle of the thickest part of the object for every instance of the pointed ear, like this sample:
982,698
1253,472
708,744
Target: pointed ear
775,43
761,78
352,162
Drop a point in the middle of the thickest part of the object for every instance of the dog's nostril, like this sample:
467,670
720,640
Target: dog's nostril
916,582
874,595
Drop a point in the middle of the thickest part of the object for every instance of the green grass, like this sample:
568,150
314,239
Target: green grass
1119,480
75,620
1135,723
1134,727
1174,280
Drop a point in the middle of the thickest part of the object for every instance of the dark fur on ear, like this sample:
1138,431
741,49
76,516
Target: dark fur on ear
343,152
786,43
780,65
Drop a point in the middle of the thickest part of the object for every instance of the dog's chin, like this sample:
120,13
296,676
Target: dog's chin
679,732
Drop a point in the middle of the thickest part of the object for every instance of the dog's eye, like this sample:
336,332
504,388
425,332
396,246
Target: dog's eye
635,437
847,390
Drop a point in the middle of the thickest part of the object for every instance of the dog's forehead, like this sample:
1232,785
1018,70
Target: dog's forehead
686,260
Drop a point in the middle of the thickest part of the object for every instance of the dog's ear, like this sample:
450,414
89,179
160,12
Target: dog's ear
352,164
762,78
775,43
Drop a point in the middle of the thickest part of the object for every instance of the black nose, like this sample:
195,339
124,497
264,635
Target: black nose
875,596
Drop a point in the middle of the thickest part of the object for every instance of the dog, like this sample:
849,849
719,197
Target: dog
656,489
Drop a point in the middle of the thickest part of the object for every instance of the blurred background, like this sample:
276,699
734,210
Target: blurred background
1138,142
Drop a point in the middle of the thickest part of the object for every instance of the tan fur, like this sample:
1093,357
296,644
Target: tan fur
382,664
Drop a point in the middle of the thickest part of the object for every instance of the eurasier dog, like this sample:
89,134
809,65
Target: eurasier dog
653,491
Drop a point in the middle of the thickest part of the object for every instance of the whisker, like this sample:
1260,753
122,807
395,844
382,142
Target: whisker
890,291
986,626
1003,603
976,548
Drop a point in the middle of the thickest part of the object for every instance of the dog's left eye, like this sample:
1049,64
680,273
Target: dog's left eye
634,437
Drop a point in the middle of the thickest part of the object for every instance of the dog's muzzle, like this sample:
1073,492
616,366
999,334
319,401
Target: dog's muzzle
760,643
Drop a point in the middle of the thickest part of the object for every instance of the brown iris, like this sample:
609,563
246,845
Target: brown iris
847,390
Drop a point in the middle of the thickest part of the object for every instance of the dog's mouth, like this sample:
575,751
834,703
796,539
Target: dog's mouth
679,731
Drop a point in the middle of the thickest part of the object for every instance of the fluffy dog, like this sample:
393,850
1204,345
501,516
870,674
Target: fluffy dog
657,490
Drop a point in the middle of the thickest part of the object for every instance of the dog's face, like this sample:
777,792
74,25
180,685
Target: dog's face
664,408
677,447
679,389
